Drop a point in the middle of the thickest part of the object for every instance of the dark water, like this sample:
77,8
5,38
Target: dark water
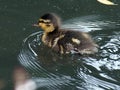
22,52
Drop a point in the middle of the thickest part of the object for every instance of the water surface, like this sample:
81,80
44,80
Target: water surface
21,49
51,70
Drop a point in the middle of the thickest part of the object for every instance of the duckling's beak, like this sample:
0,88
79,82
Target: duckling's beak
35,25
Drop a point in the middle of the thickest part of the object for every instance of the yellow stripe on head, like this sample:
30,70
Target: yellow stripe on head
45,20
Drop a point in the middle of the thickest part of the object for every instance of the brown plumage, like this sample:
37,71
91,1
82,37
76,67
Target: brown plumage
64,41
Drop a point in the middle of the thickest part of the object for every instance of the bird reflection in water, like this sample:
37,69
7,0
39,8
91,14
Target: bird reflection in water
49,59
22,81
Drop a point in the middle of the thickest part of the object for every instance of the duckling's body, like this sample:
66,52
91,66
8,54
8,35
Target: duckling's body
65,41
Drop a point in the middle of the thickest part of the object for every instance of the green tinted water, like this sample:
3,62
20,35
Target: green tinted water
16,19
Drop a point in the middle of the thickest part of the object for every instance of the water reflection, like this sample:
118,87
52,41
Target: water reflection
91,23
50,70
106,2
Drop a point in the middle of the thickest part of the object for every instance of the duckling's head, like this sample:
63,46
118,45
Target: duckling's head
49,22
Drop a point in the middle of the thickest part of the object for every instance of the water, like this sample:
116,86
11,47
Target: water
21,47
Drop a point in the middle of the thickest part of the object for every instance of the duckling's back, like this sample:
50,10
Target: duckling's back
78,42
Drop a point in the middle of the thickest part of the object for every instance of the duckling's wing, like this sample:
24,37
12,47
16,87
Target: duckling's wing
77,42
65,43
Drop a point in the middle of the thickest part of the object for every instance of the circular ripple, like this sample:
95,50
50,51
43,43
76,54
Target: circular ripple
53,71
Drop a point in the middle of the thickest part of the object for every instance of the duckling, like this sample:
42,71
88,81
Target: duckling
62,40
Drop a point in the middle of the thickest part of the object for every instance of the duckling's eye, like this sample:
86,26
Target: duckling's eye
47,22
48,25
